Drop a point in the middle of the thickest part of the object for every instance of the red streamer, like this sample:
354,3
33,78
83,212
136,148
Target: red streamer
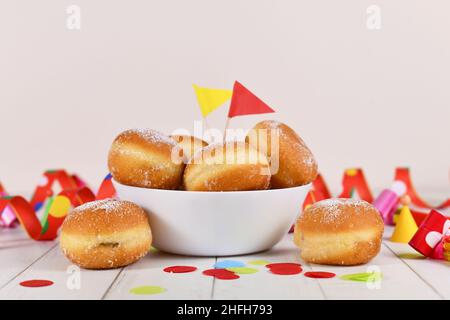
70,187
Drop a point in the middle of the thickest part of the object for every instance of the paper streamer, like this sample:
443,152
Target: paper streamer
353,181
403,174
56,193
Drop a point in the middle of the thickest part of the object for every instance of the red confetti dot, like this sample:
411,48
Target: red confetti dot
319,274
283,264
286,270
180,269
221,274
36,283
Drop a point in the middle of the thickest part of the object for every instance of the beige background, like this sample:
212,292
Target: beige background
359,97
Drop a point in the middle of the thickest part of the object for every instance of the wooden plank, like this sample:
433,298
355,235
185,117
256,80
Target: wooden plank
149,272
55,267
265,285
398,282
18,252
433,272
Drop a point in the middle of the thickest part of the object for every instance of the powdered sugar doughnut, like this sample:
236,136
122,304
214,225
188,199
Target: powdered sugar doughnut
233,166
339,232
106,234
295,164
146,158
189,144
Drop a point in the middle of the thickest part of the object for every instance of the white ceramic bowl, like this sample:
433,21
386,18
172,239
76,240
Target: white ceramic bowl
217,223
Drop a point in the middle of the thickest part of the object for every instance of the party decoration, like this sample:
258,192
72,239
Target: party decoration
56,193
412,256
363,277
147,290
210,99
3,192
228,264
430,233
7,217
259,262
36,283
221,274
106,189
403,174
242,270
388,200
353,181
446,246
244,102
438,251
180,269
405,228
285,268
319,274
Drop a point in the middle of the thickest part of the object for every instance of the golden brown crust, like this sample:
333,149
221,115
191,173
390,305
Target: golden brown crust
190,145
339,232
296,163
143,158
106,234
227,167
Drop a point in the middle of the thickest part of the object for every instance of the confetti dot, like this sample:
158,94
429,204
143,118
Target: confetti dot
283,264
411,256
228,264
36,283
259,262
363,277
153,250
287,268
242,270
319,274
147,290
221,274
180,269
59,207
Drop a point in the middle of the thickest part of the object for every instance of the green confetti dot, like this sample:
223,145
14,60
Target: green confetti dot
259,262
153,250
147,290
363,277
410,256
242,270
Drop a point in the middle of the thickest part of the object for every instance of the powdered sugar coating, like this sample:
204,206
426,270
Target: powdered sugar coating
118,208
152,136
334,211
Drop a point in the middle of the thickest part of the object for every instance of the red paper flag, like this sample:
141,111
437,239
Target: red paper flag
244,102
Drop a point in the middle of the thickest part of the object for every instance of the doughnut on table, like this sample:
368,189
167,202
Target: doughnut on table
404,277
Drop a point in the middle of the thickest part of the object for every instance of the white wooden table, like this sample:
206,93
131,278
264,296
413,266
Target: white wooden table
403,278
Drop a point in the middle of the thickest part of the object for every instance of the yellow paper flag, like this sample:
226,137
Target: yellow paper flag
405,228
210,99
